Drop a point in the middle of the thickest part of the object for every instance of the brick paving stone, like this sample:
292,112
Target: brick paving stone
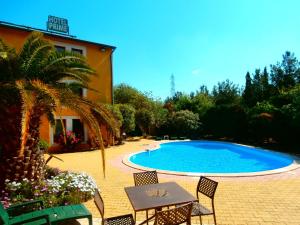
269,199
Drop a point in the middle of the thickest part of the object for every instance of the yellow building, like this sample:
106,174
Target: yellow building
99,57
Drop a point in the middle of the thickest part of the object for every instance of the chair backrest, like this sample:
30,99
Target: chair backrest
99,203
121,220
174,216
4,217
143,178
207,187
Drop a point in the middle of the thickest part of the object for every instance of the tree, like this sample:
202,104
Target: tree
201,103
145,120
225,93
184,122
180,101
265,86
160,117
125,94
32,86
225,121
261,121
284,75
248,98
128,117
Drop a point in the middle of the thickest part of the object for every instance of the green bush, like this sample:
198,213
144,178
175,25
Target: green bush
43,145
184,123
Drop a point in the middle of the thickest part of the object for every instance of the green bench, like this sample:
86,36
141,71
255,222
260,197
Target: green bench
43,216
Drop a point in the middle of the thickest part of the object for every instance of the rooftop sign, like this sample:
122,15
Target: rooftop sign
57,24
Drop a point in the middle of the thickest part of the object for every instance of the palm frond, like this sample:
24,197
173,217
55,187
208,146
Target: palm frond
58,59
87,117
27,104
38,54
45,91
29,44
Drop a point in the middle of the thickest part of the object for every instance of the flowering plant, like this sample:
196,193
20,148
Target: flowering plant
71,140
70,182
62,189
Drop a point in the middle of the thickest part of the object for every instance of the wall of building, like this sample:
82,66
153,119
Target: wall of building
98,57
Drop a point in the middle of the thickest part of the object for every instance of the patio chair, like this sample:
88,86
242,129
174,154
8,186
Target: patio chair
208,188
175,216
43,216
117,220
144,178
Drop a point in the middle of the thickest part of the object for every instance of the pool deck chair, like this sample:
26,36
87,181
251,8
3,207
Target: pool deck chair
208,188
43,216
175,216
118,220
144,178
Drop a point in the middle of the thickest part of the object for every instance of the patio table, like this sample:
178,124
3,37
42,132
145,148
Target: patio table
156,196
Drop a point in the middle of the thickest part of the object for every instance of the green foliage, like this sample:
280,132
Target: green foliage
263,107
248,93
128,117
226,93
184,123
149,113
266,110
43,145
201,103
160,116
125,94
145,120
225,121
295,97
180,101
286,74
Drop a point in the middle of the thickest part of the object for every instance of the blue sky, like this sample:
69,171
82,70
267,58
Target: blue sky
200,41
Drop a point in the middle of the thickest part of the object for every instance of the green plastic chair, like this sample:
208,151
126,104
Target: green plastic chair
43,216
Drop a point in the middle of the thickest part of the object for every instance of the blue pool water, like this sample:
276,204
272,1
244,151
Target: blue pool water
210,157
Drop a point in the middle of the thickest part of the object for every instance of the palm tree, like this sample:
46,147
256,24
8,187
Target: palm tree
31,85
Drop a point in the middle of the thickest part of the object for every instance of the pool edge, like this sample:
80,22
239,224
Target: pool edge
294,165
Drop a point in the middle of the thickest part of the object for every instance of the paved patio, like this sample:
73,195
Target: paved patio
270,199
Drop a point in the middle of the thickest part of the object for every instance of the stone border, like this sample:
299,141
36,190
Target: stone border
294,165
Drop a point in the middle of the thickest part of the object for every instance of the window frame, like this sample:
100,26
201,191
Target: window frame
69,126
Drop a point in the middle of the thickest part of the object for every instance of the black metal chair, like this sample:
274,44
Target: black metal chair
175,216
144,178
208,188
117,220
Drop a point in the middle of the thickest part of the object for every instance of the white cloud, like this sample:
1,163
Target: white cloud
196,72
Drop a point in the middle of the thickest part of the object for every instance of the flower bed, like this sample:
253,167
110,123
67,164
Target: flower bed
60,188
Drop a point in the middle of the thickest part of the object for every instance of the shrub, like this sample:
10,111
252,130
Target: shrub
184,123
43,145
225,121
71,140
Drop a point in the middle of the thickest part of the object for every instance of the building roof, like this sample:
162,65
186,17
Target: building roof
54,34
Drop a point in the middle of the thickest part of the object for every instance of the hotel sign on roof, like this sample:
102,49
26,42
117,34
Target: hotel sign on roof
57,24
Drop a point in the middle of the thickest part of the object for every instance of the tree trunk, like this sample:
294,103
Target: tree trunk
31,164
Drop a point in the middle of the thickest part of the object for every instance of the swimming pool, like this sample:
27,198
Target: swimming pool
210,157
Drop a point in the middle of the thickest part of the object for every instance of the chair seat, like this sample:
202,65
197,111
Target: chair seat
21,218
56,214
199,209
68,212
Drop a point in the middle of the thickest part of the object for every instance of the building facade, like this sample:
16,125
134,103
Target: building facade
99,57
